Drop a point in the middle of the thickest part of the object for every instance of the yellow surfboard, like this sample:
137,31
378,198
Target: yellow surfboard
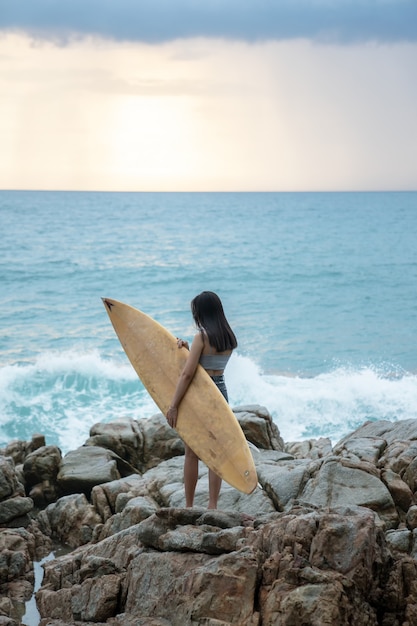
205,421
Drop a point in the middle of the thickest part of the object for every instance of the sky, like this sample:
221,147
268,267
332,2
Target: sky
208,95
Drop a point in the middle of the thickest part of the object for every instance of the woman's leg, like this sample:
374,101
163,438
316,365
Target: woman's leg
190,475
215,482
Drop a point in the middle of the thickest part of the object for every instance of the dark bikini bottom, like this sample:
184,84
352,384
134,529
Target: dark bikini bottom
221,385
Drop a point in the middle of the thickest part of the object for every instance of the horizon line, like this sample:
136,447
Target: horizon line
53,190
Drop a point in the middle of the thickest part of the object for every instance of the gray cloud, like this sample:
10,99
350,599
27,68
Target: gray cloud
251,20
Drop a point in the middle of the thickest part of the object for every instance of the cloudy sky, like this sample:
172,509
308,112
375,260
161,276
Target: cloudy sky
208,94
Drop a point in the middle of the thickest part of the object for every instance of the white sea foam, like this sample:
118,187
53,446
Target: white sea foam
63,395
328,405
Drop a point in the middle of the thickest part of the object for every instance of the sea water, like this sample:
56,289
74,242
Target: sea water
320,289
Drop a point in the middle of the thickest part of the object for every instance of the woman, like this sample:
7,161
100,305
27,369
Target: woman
211,347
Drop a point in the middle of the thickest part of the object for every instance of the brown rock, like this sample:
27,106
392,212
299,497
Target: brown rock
399,490
70,520
318,561
17,550
412,517
187,588
310,448
9,485
105,496
96,599
40,471
18,450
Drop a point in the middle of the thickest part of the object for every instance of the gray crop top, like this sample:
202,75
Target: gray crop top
214,361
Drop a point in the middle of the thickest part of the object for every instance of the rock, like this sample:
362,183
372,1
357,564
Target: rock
410,475
40,471
123,436
399,540
350,540
18,549
258,427
71,578
411,518
88,466
164,531
18,450
367,449
284,480
188,566
71,520
335,484
165,479
330,537
16,554
317,604
105,497
165,486
398,455
9,485
136,510
7,621
13,508
161,442
399,490
310,448
323,568
403,430
195,587
97,598
142,444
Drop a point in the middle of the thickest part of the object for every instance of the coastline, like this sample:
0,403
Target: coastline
291,540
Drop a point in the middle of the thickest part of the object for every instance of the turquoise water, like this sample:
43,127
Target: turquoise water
319,288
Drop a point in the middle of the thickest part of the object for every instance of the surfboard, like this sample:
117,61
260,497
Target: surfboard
205,420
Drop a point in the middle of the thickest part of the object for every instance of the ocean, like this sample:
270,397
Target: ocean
320,289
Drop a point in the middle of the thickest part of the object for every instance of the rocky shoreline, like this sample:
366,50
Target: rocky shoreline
328,538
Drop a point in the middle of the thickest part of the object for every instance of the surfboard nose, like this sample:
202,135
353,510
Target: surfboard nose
108,303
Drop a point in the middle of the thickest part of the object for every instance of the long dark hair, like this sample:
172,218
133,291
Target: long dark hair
209,316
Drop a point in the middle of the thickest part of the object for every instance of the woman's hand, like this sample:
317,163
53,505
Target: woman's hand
182,344
172,415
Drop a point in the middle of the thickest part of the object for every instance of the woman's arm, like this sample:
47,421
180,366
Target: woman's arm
185,378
